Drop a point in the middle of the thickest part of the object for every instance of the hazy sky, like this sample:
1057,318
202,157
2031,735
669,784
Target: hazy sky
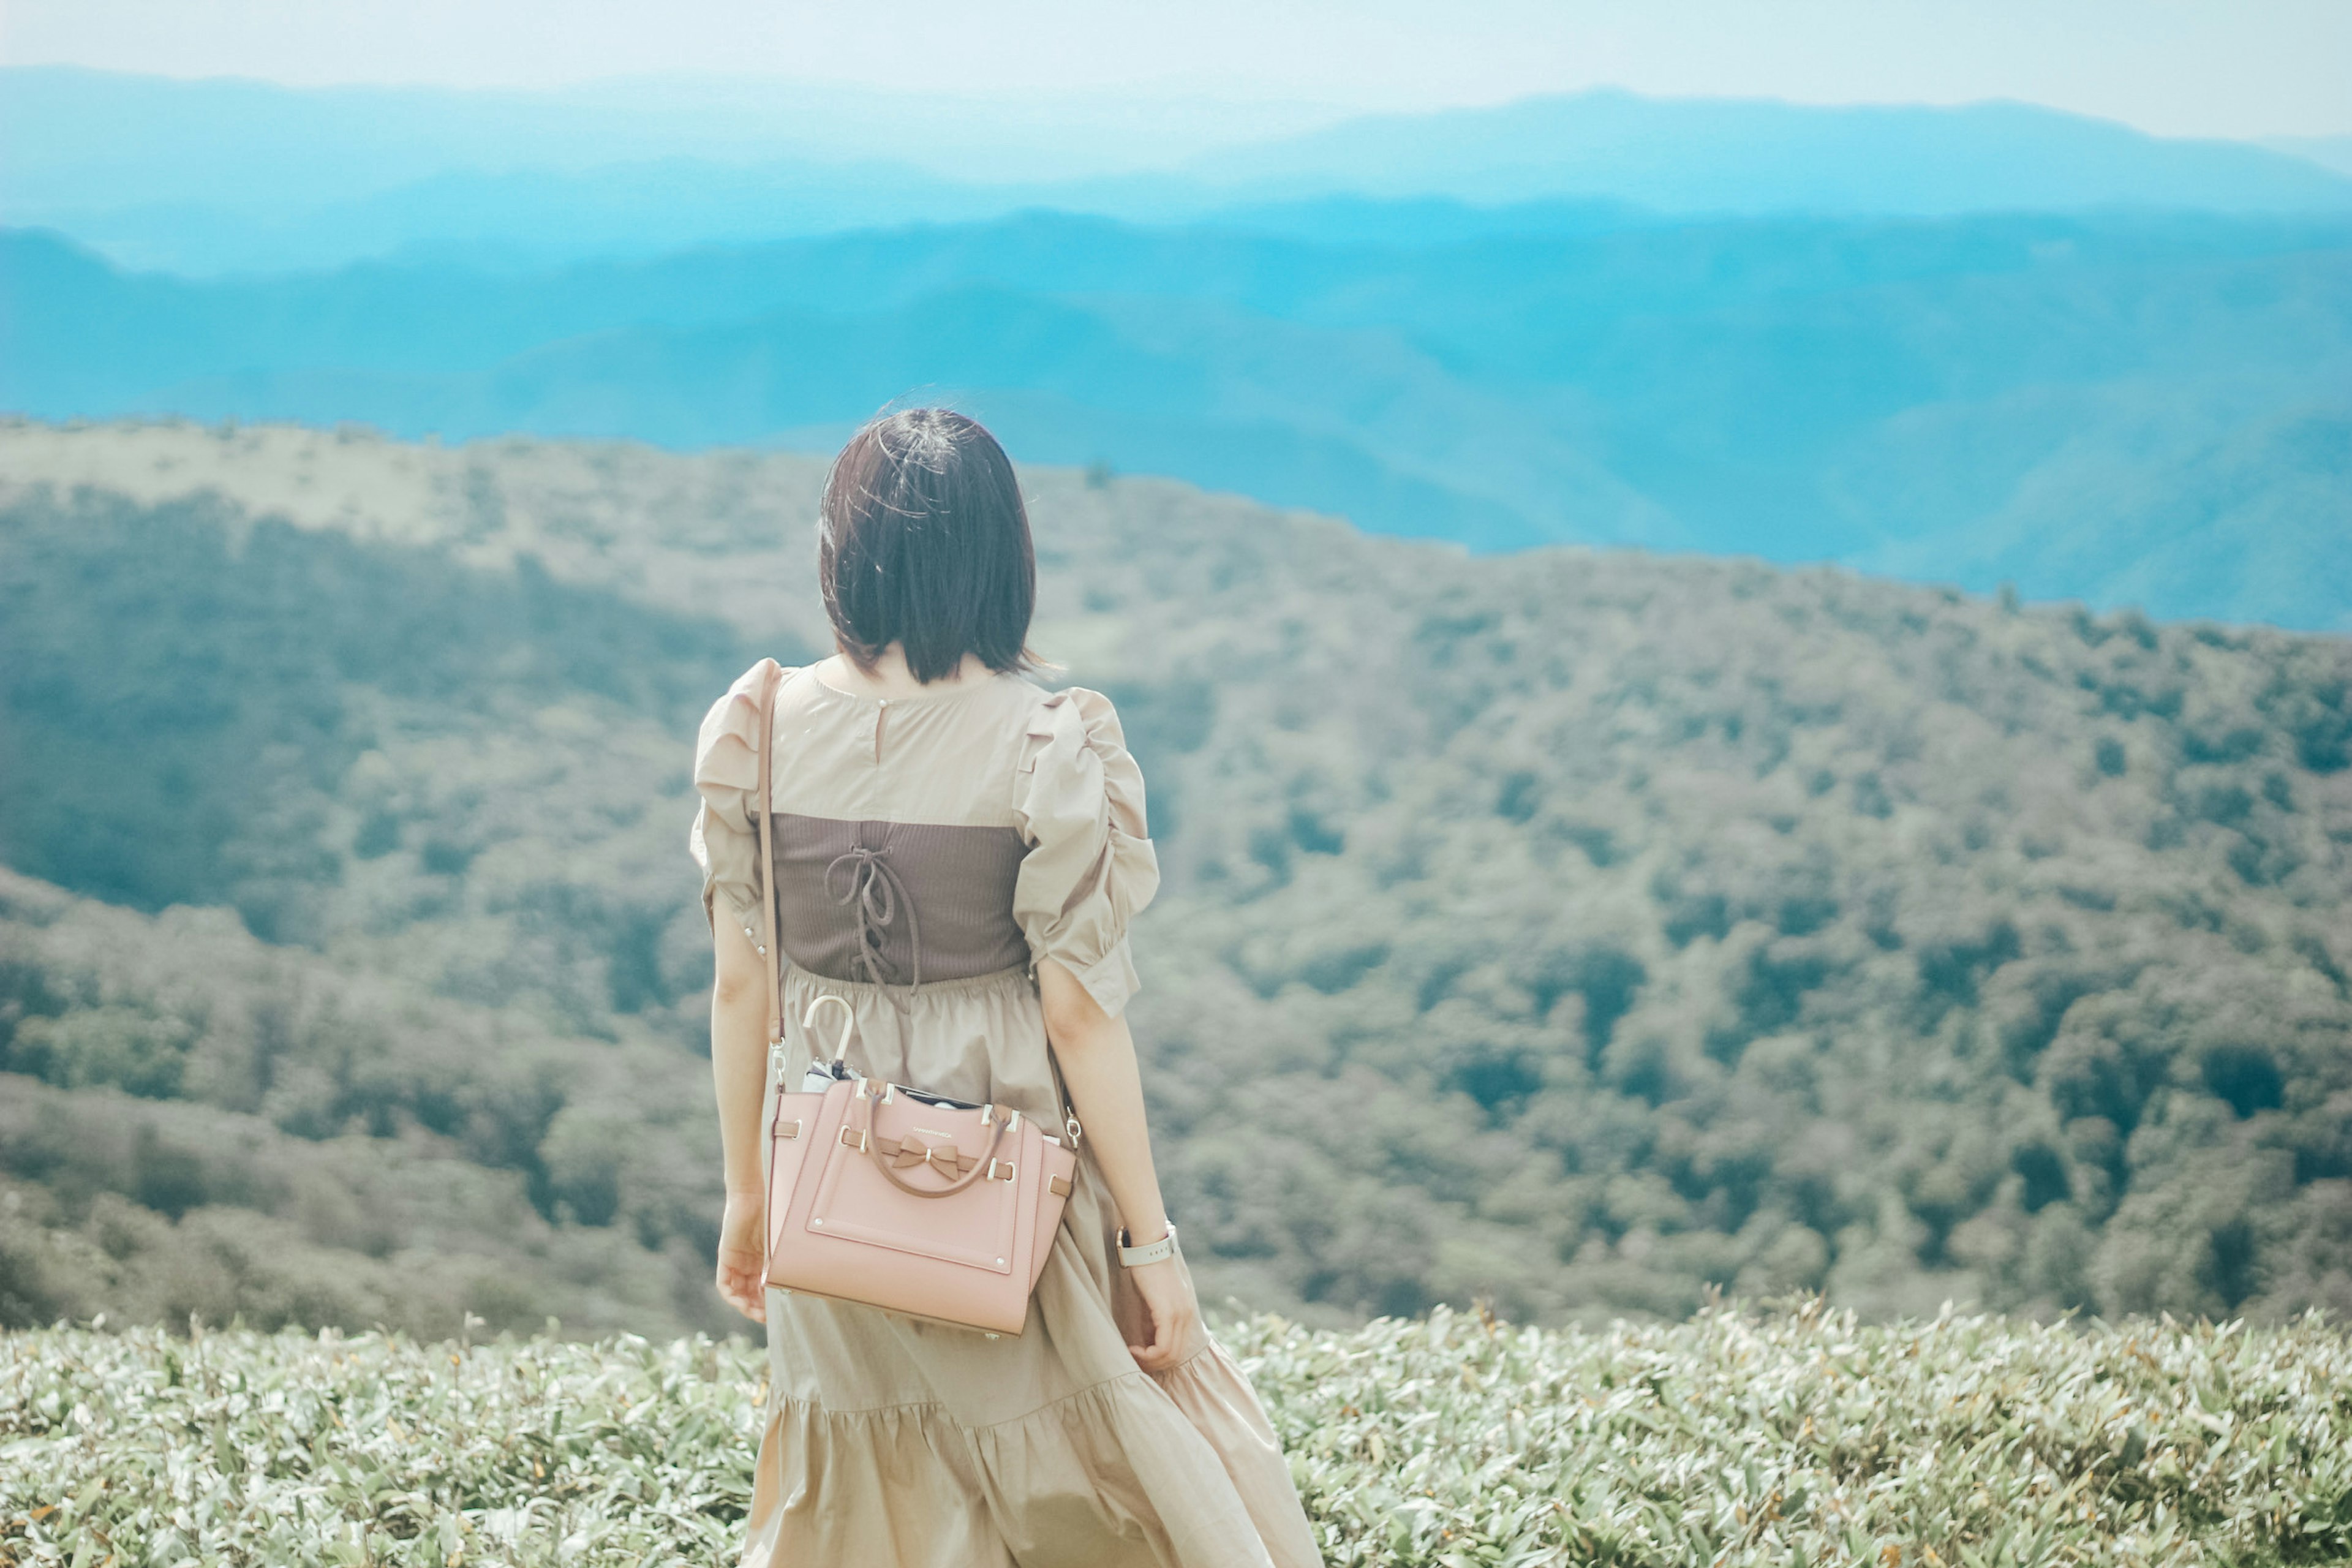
2234,68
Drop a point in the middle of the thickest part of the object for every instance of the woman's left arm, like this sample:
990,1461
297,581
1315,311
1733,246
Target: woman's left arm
738,1070
1096,1053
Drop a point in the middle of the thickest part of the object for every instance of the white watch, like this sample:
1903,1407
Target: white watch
1149,1252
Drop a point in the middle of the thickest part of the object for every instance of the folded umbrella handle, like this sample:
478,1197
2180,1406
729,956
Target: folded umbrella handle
848,1020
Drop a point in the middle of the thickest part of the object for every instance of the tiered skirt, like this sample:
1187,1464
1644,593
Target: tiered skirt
897,1443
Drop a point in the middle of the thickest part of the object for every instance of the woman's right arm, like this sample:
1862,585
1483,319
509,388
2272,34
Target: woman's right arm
738,1068
726,775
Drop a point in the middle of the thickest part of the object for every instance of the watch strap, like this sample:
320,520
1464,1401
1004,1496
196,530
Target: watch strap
1132,1256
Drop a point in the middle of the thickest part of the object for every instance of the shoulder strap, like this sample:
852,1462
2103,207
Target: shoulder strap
771,949
1062,1092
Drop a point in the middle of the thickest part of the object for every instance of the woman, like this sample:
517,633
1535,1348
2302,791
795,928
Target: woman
958,853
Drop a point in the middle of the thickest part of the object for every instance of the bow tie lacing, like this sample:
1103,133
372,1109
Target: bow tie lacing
874,891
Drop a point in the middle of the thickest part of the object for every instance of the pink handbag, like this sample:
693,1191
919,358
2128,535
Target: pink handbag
890,1197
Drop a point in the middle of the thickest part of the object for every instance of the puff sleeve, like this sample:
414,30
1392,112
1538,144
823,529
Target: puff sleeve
724,840
1090,867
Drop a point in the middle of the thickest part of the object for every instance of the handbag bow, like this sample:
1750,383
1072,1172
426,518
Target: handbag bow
943,1159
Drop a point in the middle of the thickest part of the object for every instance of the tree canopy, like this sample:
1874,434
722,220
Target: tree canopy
1580,931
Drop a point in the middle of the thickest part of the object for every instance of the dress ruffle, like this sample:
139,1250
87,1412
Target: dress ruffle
1092,868
1172,1470
723,841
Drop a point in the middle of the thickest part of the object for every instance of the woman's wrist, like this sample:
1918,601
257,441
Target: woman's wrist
1134,1254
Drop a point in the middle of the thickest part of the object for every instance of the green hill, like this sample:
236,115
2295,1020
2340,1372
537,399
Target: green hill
1731,1440
1582,930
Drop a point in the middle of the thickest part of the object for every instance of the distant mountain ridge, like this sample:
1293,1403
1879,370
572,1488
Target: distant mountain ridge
2328,151
2149,409
1762,155
112,138
228,176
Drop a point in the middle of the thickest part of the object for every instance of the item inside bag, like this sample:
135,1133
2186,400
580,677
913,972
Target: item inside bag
822,1076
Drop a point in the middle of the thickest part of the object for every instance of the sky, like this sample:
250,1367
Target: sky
2196,68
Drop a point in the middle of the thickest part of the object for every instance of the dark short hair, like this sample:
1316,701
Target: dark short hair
923,542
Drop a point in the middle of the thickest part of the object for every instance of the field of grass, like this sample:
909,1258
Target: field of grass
1738,1437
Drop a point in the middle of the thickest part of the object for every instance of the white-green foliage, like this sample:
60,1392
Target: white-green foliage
1733,1438
1813,1438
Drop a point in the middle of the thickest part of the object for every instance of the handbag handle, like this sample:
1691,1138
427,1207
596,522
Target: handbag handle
772,951
868,1142
979,1165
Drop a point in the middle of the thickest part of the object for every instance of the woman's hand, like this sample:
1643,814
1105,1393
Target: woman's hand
1166,1287
743,1257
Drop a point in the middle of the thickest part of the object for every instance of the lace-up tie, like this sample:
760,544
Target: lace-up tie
862,878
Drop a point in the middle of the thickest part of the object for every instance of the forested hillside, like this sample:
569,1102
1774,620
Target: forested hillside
1577,929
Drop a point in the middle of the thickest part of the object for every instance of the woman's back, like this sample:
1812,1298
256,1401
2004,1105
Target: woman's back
953,835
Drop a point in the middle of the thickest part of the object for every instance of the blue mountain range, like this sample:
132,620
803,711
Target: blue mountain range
1976,346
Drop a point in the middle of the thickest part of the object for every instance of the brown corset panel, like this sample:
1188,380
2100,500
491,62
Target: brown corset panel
897,903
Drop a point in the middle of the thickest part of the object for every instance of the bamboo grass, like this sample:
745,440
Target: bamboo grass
1785,1436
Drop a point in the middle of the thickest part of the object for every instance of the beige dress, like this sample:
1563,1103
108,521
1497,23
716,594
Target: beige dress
929,850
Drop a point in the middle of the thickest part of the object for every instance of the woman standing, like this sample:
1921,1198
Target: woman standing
957,854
